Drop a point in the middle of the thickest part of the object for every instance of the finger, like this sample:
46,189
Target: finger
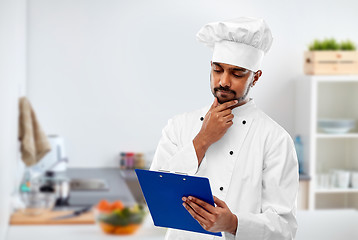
219,202
219,115
224,113
229,118
215,103
208,207
202,221
201,211
226,105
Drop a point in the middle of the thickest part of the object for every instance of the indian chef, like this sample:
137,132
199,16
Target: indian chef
249,159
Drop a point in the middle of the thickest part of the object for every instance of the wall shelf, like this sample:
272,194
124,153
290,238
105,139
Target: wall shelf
336,190
346,135
317,97
334,78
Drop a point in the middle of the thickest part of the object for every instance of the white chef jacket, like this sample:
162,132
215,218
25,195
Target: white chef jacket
253,168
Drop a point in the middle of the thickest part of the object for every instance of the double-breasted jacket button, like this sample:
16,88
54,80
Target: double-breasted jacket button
231,152
221,188
201,119
244,122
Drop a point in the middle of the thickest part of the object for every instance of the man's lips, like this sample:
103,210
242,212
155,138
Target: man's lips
225,92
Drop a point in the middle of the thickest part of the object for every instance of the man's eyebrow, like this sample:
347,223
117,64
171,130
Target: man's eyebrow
239,69
217,64
232,69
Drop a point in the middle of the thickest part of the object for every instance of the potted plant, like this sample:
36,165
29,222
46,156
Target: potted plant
331,57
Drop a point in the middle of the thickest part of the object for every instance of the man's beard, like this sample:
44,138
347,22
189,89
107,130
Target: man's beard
240,99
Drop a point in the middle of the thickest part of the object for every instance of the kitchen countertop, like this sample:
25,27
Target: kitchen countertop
304,177
76,232
312,225
118,190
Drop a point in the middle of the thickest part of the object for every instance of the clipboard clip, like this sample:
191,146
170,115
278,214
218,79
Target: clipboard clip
172,172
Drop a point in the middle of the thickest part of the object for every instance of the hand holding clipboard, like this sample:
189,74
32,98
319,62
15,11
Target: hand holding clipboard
163,193
213,219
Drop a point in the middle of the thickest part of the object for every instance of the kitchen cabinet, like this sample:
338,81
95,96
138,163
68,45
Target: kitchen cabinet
334,97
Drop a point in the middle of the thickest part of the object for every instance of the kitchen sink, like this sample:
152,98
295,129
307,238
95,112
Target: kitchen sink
89,184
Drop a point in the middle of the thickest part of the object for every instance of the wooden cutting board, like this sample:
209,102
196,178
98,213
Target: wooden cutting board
18,218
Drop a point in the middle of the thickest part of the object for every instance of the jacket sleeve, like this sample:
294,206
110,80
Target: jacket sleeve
277,219
173,153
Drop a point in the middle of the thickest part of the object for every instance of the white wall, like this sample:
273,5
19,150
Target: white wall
108,74
12,78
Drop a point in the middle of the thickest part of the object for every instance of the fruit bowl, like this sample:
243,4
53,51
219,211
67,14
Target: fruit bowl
115,218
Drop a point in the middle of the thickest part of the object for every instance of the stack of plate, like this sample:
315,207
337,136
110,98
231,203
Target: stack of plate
337,126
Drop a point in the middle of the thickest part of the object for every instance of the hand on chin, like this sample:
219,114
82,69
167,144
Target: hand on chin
222,100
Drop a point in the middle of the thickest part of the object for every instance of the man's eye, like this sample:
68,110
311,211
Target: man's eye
238,76
216,70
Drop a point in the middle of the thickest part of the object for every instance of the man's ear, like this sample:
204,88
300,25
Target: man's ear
256,77
211,63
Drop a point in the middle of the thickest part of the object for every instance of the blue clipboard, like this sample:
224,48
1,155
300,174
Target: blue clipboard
163,193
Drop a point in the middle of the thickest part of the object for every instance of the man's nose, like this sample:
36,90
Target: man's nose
225,80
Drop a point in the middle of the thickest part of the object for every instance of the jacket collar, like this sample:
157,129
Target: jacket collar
245,108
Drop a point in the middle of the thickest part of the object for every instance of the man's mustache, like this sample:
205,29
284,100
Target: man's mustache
224,89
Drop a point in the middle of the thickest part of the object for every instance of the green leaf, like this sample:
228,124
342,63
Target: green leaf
115,219
331,44
347,46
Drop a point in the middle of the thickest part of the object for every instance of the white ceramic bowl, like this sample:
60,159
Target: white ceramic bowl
336,126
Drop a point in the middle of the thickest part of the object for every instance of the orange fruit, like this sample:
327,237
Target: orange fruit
104,206
117,205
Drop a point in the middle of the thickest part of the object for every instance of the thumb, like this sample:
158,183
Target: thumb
219,202
215,103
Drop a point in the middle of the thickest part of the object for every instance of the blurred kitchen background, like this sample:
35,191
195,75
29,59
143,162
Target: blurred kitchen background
104,77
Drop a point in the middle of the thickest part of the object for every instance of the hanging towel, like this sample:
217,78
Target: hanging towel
34,143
